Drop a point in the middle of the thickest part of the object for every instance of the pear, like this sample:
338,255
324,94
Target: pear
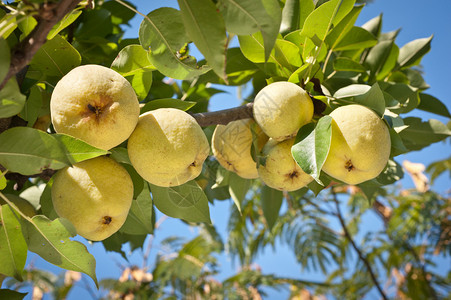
168,147
360,145
280,170
95,195
232,146
281,108
95,104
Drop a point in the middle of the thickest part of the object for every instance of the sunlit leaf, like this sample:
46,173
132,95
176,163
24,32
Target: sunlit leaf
11,100
132,59
13,248
76,149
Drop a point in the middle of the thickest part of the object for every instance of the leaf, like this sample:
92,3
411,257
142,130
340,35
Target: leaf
433,105
56,57
271,202
168,102
46,201
187,202
165,40
381,57
11,295
356,38
421,134
319,22
139,219
373,98
340,31
411,53
312,146
51,240
438,167
131,60
5,58
347,64
3,181
374,25
285,54
246,17
397,145
238,188
29,151
11,100
63,23
205,27
33,106
141,83
76,149
290,16
13,248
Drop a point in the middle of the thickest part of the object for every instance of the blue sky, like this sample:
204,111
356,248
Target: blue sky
418,19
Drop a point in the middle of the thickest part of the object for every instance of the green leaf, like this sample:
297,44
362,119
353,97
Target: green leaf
290,16
285,54
356,38
320,21
33,106
56,57
381,57
374,25
246,17
3,182
310,151
13,248
187,202
438,167
120,155
342,28
411,53
29,151
374,99
205,27
397,145
11,100
271,202
166,40
131,60
238,188
139,219
27,26
46,201
11,295
433,105
141,83
347,64
5,58
63,23
76,149
169,102
51,240
407,96
421,134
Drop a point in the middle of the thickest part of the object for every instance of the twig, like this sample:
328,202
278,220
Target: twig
224,116
360,254
49,14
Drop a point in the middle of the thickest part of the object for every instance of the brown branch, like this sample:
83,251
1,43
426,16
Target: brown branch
224,116
362,257
48,15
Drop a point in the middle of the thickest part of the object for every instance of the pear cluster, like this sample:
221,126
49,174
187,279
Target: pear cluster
167,147
97,105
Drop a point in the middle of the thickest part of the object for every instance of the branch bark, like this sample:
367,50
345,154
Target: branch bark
23,52
224,116
362,257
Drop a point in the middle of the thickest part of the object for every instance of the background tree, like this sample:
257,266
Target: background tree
314,44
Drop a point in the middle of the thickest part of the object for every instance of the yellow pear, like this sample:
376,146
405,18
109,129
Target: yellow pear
360,146
168,147
281,108
280,170
232,146
95,104
95,195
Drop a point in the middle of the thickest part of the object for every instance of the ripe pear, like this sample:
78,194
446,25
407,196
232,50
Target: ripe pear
281,108
232,146
168,147
360,145
95,195
95,104
280,170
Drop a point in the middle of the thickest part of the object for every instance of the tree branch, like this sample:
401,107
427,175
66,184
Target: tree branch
49,14
224,116
360,254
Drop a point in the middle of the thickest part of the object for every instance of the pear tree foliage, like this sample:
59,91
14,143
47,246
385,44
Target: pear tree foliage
240,43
